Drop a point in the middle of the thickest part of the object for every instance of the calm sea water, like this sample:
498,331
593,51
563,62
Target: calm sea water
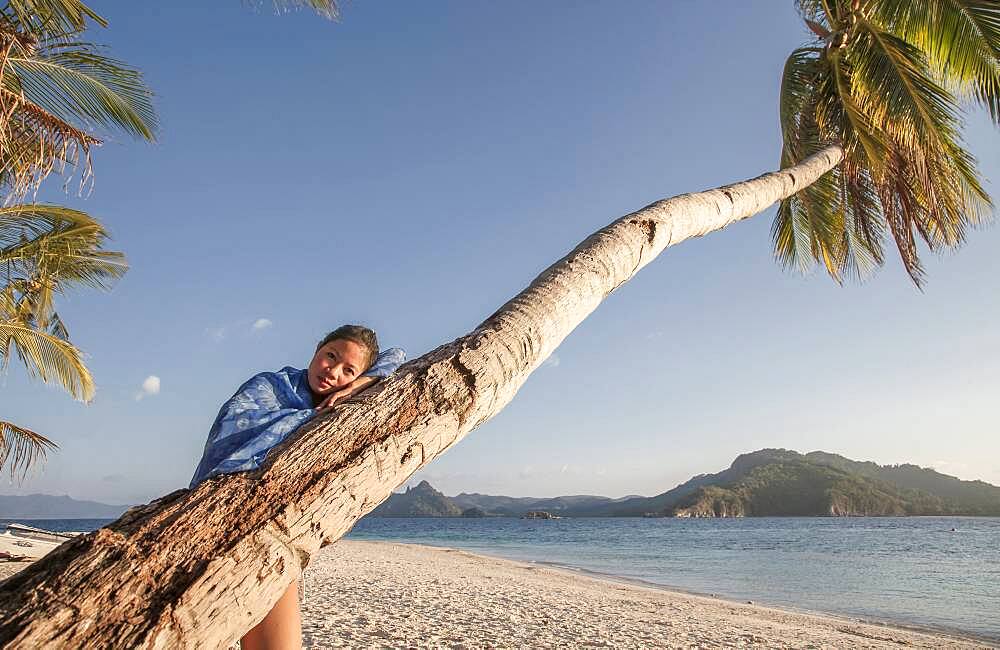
912,570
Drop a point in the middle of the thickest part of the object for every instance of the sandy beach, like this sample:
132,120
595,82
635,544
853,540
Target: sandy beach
379,594
402,595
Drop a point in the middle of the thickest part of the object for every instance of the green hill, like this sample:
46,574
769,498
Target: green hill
420,501
778,482
970,497
768,482
795,488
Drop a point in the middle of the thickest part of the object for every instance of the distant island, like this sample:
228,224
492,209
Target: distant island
764,483
48,506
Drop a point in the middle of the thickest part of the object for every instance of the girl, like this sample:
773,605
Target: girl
266,410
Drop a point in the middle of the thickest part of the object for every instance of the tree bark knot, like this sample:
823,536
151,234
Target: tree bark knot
648,226
468,377
408,454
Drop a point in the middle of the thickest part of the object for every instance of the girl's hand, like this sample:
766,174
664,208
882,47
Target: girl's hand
355,386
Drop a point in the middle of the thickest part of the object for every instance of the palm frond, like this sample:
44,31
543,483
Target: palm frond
67,256
45,250
22,448
52,16
891,79
59,243
326,8
841,112
57,328
37,143
822,223
8,303
807,225
864,230
79,85
961,39
58,98
32,220
879,89
797,102
47,357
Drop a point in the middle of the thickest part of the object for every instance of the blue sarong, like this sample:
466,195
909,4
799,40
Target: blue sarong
263,412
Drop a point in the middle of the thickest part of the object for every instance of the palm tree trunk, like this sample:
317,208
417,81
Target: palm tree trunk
199,568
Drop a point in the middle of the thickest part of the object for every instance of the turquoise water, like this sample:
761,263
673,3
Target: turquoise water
911,570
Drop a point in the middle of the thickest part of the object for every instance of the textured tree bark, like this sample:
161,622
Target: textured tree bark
196,569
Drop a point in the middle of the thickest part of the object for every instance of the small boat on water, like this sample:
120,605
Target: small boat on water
27,542
539,514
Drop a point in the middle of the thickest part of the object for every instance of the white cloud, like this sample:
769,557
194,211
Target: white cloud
552,361
150,386
261,324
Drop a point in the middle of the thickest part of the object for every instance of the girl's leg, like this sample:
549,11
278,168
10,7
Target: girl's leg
281,629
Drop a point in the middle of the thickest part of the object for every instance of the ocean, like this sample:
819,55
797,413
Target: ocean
934,572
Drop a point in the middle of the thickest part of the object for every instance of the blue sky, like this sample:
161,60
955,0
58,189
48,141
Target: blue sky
414,166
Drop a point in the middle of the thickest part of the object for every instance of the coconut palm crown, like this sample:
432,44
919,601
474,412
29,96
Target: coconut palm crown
59,96
45,250
887,80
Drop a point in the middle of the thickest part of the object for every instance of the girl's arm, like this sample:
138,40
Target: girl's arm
385,364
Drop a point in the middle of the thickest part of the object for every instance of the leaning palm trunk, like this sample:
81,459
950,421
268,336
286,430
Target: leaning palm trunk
199,568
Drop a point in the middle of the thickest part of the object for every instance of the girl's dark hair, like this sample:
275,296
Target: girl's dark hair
361,335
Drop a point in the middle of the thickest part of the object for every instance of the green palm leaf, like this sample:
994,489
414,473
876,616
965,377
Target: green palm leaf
47,357
821,223
805,227
961,39
78,85
52,16
45,250
59,244
326,8
32,220
881,82
21,447
57,96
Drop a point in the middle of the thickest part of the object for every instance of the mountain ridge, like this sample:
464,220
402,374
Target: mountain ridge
768,482
50,506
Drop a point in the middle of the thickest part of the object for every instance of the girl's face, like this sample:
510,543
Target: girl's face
335,365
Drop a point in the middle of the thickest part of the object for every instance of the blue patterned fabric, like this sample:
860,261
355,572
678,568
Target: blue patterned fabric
262,413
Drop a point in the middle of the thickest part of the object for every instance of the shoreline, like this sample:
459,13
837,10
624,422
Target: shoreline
395,594
613,578
431,595
958,634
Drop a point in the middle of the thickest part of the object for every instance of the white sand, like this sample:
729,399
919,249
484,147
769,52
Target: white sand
376,594
7,569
